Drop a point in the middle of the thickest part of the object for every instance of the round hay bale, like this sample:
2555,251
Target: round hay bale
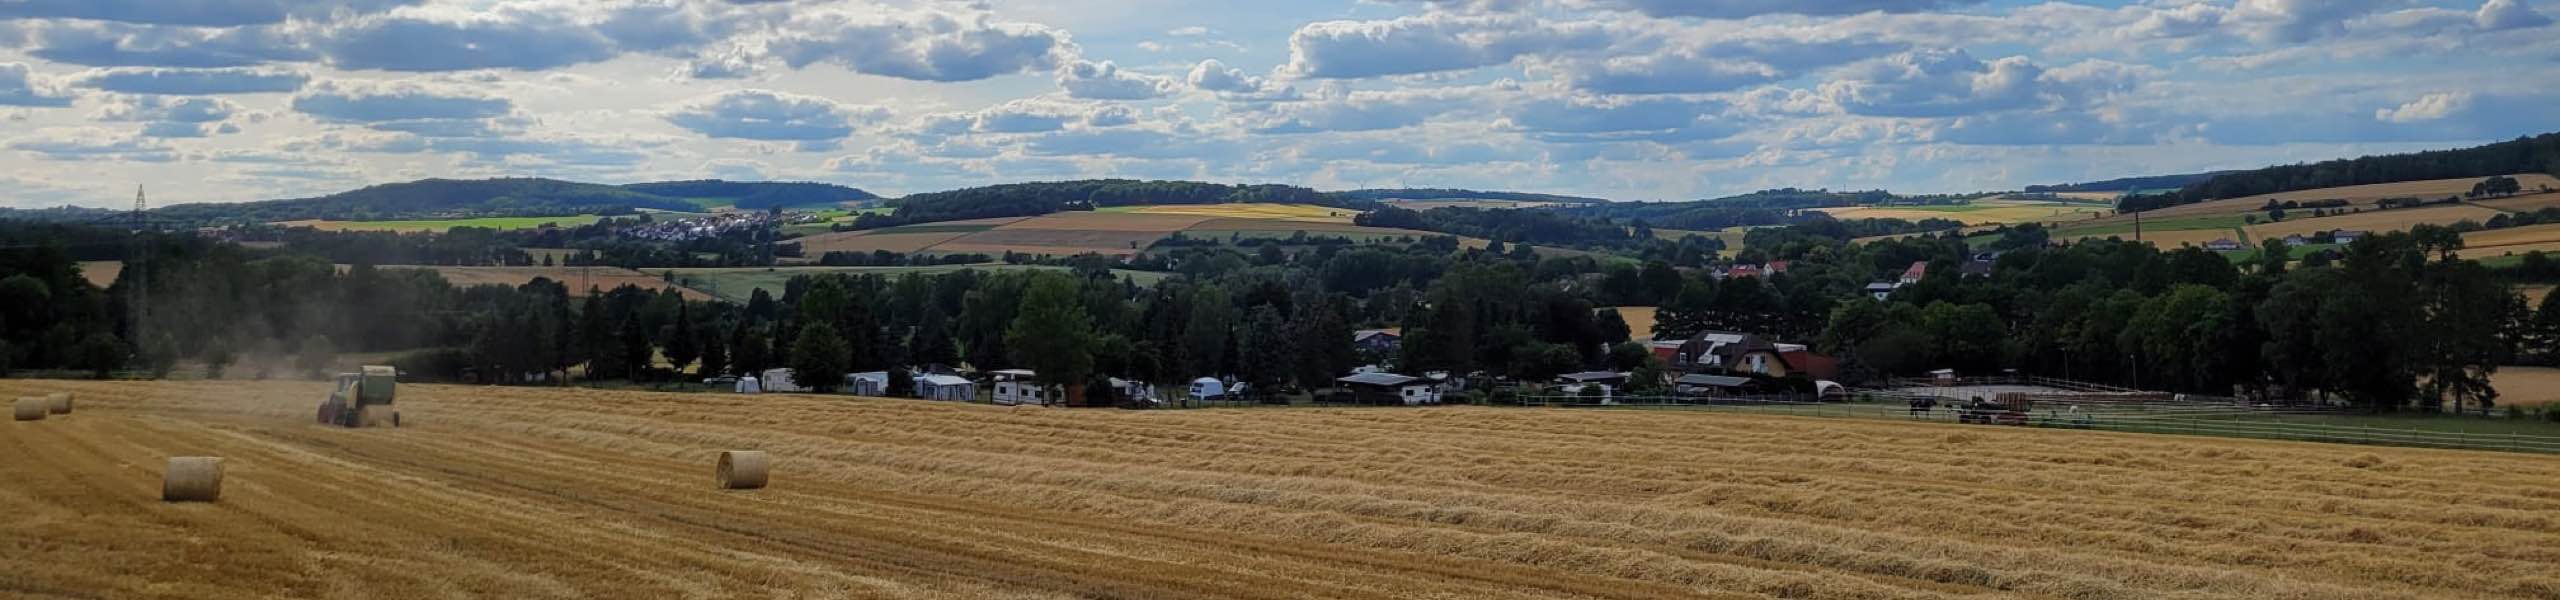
58,402
743,469
28,409
192,479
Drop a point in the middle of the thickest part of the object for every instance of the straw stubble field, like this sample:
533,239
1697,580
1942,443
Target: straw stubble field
535,493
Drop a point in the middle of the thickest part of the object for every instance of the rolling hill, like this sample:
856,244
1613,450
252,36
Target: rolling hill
513,197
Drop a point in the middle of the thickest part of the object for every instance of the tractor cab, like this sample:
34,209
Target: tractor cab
363,399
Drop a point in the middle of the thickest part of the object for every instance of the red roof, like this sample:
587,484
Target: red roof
1919,268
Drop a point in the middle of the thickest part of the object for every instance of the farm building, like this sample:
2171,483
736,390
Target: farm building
779,381
2346,236
1390,389
1919,270
2296,240
873,383
1701,383
1730,351
946,387
1805,362
2223,245
1015,387
1378,340
1131,389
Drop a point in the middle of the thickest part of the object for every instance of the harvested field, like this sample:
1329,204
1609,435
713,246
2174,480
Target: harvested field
2492,242
1108,221
1503,204
868,241
2377,221
2527,202
101,273
2526,386
551,493
738,284
1279,212
2359,195
2533,294
579,279
1980,212
2172,238
1639,321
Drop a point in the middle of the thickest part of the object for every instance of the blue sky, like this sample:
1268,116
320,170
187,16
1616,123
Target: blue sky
229,100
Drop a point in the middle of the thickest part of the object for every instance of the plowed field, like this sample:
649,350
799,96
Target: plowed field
544,493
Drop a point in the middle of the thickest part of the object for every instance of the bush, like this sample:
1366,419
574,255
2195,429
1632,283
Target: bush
2514,412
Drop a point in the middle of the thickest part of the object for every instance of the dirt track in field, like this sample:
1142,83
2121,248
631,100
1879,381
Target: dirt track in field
533,493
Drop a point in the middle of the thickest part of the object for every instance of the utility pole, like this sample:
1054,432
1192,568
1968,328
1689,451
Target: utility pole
141,274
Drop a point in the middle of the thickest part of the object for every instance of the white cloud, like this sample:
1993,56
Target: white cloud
2499,15
20,86
375,101
231,80
770,115
2429,107
1106,81
1431,43
930,46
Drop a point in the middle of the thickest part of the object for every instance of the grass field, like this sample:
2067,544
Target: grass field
2225,224
578,279
444,224
740,283
1980,212
556,493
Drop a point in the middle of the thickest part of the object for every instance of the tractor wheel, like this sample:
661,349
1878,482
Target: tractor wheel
328,413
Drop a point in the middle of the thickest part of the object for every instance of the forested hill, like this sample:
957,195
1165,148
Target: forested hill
1765,207
435,198
1385,194
756,195
2128,184
1038,198
2537,154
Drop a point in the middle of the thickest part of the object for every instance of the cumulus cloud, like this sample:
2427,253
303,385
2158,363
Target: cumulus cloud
769,115
91,144
1722,65
507,39
2298,20
1106,81
203,13
1367,110
2429,107
1430,43
2499,15
168,109
1235,84
113,44
1028,115
155,80
1736,9
929,46
19,86
1945,83
367,102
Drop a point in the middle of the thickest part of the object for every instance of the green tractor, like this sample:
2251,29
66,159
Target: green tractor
363,399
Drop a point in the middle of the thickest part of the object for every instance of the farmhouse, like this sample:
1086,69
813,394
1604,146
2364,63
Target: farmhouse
1919,270
1881,290
2223,245
2346,236
946,387
1732,352
1378,340
779,380
1390,389
2296,240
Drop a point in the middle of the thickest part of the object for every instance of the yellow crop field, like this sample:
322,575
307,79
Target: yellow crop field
2527,386
578,279
1279,212
1980,212
561,493
1639,320
2359,195
2377,221
101,273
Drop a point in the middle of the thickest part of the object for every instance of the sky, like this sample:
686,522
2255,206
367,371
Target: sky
236,100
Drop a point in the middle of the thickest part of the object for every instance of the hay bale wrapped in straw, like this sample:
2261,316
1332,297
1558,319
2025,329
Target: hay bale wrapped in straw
28,409
192,479
58,402
743,469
